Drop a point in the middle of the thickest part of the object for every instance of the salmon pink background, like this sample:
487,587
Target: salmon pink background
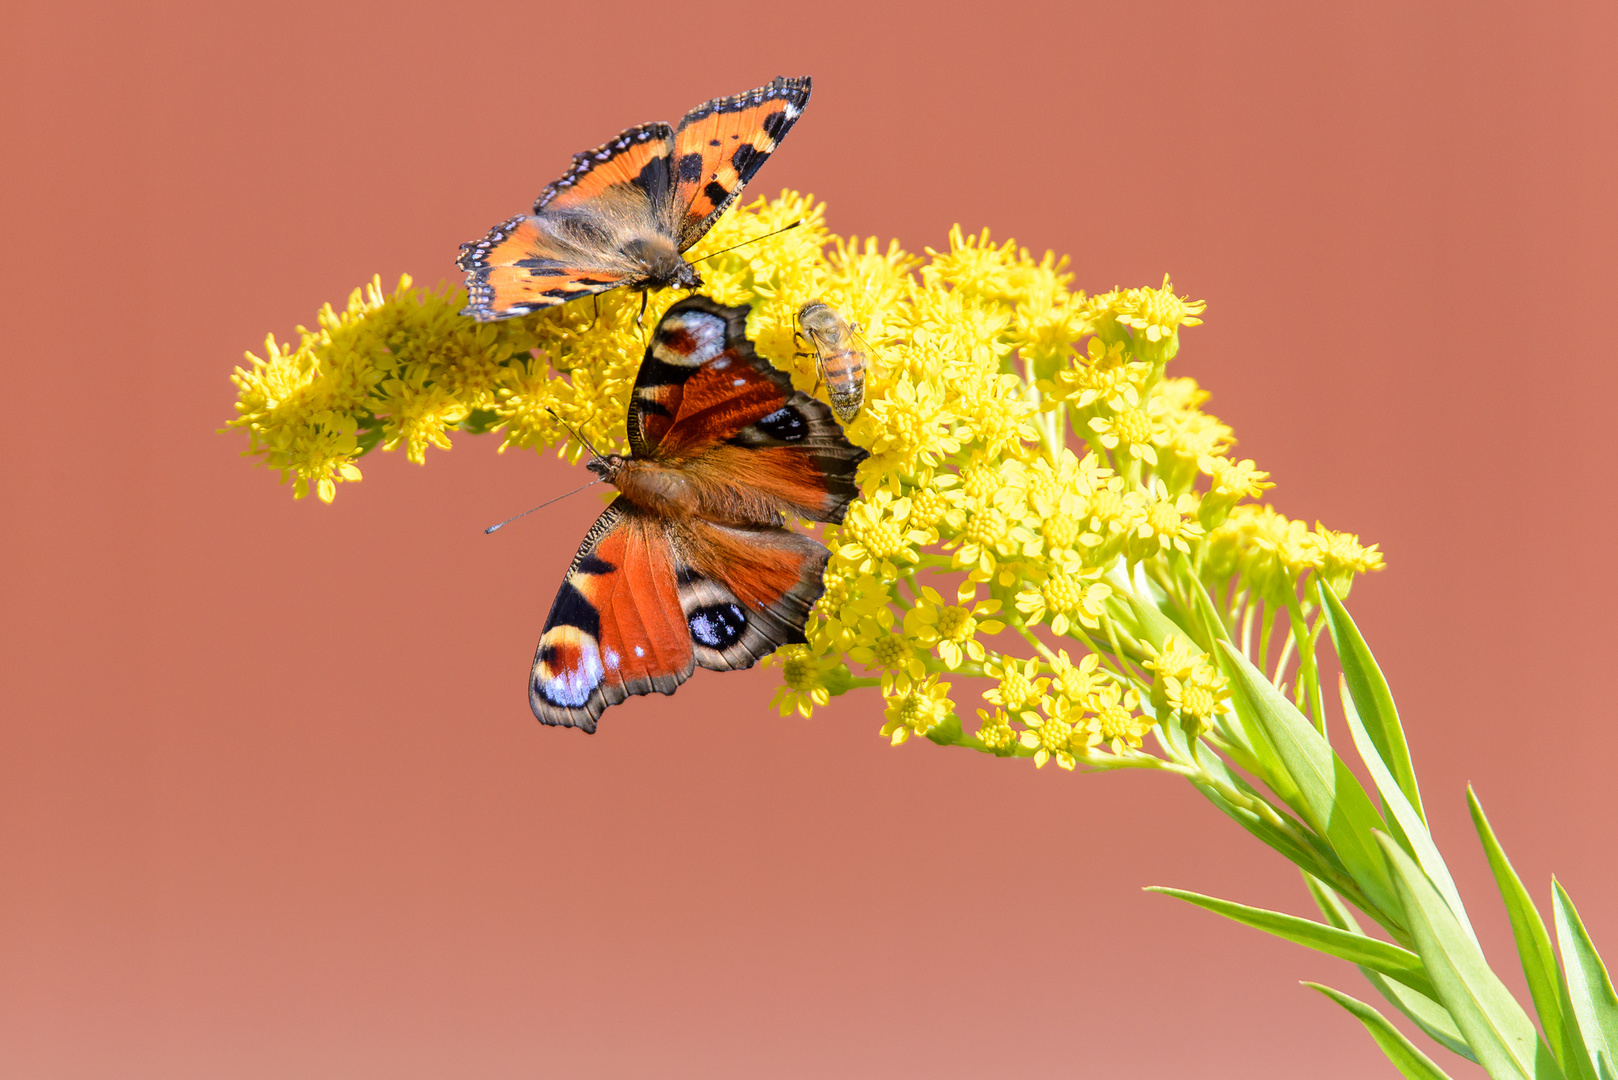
271,801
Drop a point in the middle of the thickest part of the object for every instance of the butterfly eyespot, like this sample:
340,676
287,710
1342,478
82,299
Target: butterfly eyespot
718,626
567,672
694,338
786,424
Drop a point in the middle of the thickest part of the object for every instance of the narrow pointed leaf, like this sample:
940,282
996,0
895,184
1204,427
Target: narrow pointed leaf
1304,858
1297,843
1424,1012
1407,825
1371,695
1533,948
1266,765
1595,1007
1331,798
1499,1032
1396,963
1406,1058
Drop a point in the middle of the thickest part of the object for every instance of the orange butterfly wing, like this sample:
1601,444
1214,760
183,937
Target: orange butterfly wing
721,144
517,269
638,157
616,628
536,261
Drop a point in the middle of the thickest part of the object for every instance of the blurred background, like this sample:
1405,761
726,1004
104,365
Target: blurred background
271,800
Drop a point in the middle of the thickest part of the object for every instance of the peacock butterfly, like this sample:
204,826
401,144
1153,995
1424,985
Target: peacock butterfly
691,564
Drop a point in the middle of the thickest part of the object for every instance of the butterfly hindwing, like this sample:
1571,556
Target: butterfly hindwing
704,398
616,628
721,144
746,592
521,267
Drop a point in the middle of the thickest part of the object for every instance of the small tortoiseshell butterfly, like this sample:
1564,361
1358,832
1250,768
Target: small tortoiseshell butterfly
624,213
839,356
691,563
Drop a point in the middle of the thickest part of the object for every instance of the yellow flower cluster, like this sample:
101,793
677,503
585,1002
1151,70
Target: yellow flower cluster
1032,469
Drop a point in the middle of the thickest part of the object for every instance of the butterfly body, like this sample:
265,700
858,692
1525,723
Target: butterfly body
691,565
624,213
839,356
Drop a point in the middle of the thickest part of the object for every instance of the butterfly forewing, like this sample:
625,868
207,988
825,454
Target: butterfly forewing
721,144
706,398
638,157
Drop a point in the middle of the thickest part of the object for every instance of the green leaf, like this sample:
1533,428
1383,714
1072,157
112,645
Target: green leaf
1303,857
1407,825
1301,846
1426,1013
1499,1032
1405,1057
1595,1007
1391,960
1331,799
1371,695
1533,948
1157,622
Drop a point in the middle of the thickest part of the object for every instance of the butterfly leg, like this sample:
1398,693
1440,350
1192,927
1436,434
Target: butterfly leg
595,302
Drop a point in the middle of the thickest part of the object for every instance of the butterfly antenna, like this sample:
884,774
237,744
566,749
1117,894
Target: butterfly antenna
575,433
744,243
542,506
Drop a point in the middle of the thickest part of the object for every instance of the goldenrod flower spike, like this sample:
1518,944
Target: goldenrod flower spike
1031,457
1049,522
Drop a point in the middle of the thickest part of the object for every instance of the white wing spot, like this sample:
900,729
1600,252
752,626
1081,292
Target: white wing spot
639,651
707,332
573,688
738,382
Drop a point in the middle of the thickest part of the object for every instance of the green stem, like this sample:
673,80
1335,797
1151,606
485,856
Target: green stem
1028,635
1281,663
1266,623
1127,675
1308,670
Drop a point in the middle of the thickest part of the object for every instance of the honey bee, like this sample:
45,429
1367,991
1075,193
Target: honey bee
839,356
